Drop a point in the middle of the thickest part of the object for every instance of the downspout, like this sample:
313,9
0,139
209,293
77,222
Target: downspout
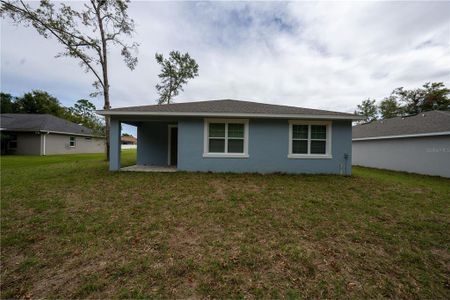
346,156
43,142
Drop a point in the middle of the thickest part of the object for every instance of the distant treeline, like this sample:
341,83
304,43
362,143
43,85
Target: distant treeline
41,102
402,102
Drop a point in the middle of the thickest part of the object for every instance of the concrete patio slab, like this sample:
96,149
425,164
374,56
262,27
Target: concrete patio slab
137,168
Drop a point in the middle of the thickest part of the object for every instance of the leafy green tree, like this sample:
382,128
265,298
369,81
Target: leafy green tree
86,34
84,109
436,96
430,96
7,103
39,102
83,112
175,72
411,100
389,108
368,109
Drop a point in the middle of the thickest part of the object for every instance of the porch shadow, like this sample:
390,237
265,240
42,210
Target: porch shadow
138,168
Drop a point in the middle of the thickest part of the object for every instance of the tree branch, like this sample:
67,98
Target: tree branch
73,48
60,30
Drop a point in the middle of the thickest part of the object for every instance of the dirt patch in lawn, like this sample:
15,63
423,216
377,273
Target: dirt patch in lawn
192,235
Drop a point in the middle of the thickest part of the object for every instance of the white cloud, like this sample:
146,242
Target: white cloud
319,55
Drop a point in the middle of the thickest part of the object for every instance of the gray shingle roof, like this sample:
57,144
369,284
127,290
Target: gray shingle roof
426,122
226,106
40,122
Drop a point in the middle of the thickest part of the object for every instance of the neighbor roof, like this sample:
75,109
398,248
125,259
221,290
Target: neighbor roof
128,138
424,124
227,108
42,123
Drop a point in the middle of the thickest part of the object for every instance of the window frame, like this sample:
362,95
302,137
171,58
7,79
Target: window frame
74,141
225,154
328,148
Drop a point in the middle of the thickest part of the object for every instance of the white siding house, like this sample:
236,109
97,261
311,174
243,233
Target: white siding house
43,134
418,144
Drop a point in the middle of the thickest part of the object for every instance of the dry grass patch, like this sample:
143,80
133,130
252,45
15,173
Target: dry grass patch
71,229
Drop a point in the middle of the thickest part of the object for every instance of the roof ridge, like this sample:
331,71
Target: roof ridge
66,121
292,106
445,112
229,100
45,121
421,123
382,121
175,103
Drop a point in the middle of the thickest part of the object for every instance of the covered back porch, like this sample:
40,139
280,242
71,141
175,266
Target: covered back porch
157,144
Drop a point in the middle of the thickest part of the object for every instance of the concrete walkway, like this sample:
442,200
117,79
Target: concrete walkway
136,168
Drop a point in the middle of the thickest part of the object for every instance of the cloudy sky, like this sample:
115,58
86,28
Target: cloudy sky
319,55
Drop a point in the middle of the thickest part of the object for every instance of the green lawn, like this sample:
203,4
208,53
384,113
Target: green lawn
71,229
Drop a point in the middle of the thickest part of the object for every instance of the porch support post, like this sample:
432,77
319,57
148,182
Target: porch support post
114,144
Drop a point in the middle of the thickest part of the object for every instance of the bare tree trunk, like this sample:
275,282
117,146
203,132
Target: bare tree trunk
107,104
109,18
107,125
104,63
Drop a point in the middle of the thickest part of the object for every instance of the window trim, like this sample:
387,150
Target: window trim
328,150
206,152
74,141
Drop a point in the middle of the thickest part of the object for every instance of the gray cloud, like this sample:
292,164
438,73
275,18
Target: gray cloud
319,55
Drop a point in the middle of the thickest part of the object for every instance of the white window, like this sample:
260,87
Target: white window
225,138
309,139
72,141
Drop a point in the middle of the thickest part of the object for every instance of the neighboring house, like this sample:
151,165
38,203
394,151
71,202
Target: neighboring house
417,144
128,142
236,136
42,134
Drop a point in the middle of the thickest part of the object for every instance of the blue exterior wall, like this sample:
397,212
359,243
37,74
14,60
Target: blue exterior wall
152,145
268,150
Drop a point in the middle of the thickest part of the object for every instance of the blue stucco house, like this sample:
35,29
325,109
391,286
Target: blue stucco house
236,136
